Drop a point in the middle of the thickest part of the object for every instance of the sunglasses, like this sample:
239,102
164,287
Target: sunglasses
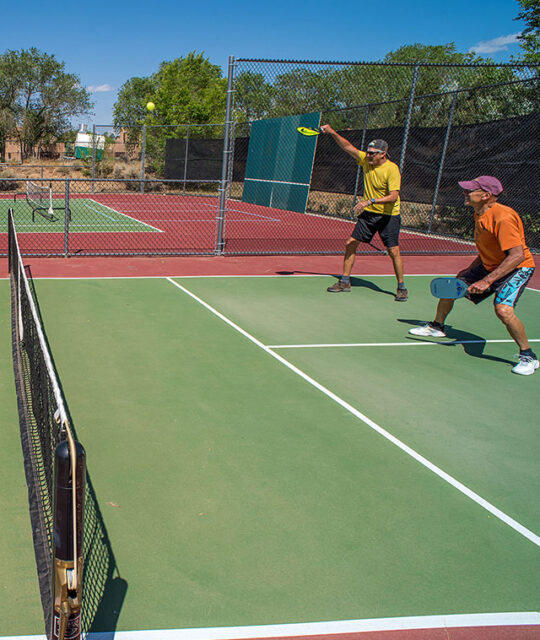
471,190
373,153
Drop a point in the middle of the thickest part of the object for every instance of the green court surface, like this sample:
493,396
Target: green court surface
87,215
264,452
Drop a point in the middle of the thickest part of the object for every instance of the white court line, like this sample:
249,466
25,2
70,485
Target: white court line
319,628
514,524
414,343
118,213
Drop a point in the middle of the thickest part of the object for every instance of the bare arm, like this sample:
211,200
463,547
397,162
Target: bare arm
514,256
391,197
341,141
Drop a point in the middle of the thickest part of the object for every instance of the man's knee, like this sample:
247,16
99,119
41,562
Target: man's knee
393,251
504,312
352,243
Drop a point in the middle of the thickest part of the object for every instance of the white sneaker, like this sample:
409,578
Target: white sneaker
428,330
526,366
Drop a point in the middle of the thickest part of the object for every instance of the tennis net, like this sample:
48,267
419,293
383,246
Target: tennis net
53,460
40,199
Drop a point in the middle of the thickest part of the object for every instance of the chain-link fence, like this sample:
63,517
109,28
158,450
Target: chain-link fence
115,217
443,123
179,189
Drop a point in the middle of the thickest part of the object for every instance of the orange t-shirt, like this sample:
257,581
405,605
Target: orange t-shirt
497,230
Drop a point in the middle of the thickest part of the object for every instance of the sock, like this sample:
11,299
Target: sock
528,352
345,279
401,285
437,325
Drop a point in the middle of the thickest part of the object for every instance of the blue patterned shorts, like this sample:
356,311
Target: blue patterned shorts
507,289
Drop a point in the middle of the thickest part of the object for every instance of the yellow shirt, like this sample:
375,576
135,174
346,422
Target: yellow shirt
378,182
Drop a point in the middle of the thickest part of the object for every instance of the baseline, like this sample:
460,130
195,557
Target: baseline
314,629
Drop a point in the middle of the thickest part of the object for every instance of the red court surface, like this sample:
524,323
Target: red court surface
79,267
142,224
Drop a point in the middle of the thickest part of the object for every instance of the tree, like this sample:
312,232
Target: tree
253,97
529,38
129,111
186,91
38,98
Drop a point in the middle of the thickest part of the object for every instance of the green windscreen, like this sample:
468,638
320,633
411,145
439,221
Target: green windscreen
280,162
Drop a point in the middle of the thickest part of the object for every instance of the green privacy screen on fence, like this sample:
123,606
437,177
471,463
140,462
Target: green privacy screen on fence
280,162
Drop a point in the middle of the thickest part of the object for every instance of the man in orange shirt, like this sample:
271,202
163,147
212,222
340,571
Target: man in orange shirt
503,266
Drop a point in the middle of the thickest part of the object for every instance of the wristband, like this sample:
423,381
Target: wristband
372,200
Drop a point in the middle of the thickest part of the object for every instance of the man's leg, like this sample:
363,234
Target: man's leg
528,362
350,256
513,325
444,306
397,263
344,283
508,291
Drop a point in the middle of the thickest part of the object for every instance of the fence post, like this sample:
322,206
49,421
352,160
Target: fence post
441,163
362,143
143,157
220,244
186,160
231,156
93,156
67,215
409,116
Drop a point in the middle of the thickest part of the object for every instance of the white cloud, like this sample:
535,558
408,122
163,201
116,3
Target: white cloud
496,44
100,88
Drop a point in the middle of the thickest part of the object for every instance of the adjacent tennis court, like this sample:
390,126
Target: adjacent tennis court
121,223
264,453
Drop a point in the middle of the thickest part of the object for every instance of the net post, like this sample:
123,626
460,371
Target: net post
220,243
69,482
51,210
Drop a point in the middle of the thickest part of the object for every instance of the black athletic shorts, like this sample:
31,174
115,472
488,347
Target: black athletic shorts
370,223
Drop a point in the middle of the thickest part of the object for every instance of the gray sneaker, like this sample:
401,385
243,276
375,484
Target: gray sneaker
428,331
340,287
401,295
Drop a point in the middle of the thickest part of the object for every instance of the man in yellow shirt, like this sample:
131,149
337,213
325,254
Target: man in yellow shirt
504,265
377,212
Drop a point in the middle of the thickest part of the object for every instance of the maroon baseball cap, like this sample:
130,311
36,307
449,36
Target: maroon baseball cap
486,183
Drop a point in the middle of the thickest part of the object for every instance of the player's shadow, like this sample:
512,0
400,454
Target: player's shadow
472,343
367,284
355,280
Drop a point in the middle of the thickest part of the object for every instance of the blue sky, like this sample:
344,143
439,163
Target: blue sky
106,43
